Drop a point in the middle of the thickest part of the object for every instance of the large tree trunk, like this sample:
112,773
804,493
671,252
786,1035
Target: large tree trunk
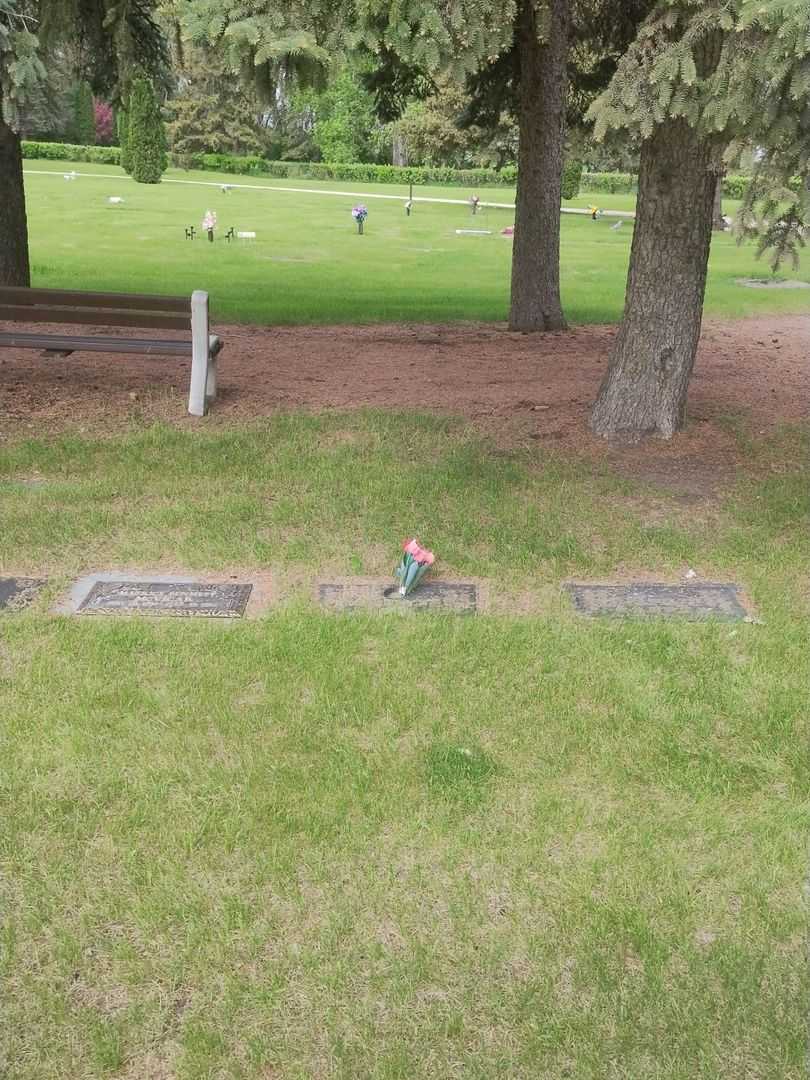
536,301
644,391
14,268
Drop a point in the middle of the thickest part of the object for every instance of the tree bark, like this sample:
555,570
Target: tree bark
644,391
14,265
718,221
536,303
399,151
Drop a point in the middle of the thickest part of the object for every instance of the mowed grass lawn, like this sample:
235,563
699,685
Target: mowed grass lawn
308,265
400,848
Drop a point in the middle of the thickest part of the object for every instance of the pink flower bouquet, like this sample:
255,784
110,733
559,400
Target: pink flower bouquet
414,564
210,223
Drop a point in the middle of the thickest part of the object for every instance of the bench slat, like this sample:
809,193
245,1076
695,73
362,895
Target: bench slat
63,342
88,316
16,296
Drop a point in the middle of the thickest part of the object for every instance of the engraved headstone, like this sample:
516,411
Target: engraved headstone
178,598
16,593
700,601
457,597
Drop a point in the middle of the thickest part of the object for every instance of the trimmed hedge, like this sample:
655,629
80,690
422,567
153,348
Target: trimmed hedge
609,183
734,187
613,183
54,151
356,173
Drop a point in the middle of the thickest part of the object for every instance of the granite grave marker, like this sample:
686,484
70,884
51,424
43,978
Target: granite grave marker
647,600
175,598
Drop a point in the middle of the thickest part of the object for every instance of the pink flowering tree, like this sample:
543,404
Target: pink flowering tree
104,122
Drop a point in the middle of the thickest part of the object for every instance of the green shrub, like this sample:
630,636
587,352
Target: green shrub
122,123
146,135
735,187
609,183
82,128
571,177
99,155
352,172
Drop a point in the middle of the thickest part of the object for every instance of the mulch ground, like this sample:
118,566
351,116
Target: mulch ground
520,389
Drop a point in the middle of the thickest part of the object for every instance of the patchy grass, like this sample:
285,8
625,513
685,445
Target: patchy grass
358,846
308,265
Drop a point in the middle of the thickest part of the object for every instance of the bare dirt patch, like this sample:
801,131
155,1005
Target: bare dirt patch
521,389
776,283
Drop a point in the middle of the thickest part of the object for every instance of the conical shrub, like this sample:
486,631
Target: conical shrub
146,145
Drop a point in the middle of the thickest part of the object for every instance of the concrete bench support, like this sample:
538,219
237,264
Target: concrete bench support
204,351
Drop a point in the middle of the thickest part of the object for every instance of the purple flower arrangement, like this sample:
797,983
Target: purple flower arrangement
359,213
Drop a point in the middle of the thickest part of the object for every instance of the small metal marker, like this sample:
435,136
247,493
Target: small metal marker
191,599
16,593
455,597
700,601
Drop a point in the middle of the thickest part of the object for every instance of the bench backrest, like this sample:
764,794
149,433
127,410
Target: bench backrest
94,308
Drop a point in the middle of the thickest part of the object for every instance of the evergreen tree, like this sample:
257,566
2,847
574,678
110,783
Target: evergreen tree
212,112
82,129
114,37
122,126
146,137
701,80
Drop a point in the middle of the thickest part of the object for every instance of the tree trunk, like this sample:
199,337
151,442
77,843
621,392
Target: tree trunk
536,301
399,151
644,391
14,267
718,221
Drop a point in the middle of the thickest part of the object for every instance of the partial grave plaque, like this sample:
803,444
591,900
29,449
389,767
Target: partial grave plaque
178,598
16,593
709,601
456,597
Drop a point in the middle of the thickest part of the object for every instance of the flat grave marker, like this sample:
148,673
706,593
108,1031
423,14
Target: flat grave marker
647,600
16,593
455,597
190,599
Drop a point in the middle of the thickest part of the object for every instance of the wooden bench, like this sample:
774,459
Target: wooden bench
118,309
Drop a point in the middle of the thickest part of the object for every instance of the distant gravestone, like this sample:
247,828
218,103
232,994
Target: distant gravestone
16,593
177,598
701,601
455,597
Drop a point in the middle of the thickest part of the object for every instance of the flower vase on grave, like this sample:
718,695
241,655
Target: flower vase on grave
210,223
359,213
414,564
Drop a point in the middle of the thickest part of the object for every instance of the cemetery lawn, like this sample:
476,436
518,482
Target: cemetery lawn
519,845
308,265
